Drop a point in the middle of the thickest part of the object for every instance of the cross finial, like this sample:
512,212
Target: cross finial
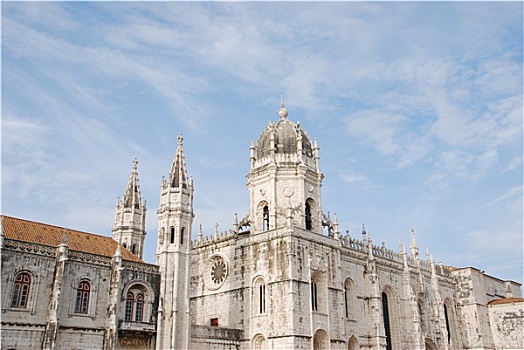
282,111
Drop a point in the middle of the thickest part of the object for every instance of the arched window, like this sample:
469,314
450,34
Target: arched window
447,323
139,307
422,314
320,340
138,302
172,235
266,218
429,344
314,296
308,216
21,290
353,343
346,301
259,296
259,342
133,250
124,245
262,297
134,310
182,231
83,291
130,300
349,297
161,236
387,325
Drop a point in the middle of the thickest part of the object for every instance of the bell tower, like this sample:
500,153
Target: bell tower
284,179
129,228
175,218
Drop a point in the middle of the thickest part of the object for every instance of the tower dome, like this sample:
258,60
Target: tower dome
284,178
283,137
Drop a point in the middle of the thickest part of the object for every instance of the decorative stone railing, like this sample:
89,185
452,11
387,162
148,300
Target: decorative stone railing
137,326
286,158
148,268
347,242
382,251
90,258
217,237
216,332
30,247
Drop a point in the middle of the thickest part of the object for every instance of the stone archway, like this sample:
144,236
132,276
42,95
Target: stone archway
430,344
353,343
259,342
320,340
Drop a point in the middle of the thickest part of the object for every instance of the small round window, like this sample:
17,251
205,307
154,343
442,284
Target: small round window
216,272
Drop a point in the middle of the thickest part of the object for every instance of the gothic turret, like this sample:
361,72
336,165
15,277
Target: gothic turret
175,219
284,176
130,216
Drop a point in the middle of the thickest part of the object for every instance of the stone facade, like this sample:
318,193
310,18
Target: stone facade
283,276
67,298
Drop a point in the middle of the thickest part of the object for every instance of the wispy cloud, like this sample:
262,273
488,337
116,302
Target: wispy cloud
423,96
515,192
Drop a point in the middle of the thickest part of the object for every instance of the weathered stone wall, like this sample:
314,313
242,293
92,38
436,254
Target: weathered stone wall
507,325
22,336
80,338
95,319
288,262
24,327
482,326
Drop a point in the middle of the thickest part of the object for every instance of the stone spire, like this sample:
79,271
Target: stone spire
375,331
132,194
335,227
437,303
414,248
416,260
408,302
364,238
178,173
130,216
175,219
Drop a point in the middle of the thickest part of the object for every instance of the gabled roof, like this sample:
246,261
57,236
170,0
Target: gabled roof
49,235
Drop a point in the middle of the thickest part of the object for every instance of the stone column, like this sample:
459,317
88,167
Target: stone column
51,331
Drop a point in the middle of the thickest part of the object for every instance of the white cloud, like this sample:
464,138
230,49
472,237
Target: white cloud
428,94
353,178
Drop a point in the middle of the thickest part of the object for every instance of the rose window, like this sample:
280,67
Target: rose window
216,272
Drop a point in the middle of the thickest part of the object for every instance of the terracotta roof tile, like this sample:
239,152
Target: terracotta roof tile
506,301
49,235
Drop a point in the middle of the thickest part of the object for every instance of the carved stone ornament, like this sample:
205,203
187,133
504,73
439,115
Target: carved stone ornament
288,191
216,272
318,263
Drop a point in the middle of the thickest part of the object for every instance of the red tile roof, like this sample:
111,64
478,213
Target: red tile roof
49,235
506,301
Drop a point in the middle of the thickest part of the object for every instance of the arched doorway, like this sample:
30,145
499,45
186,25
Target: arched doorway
320,340
353,343
259,342
430,344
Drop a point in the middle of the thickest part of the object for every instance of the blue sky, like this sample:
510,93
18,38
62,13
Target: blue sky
417,108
